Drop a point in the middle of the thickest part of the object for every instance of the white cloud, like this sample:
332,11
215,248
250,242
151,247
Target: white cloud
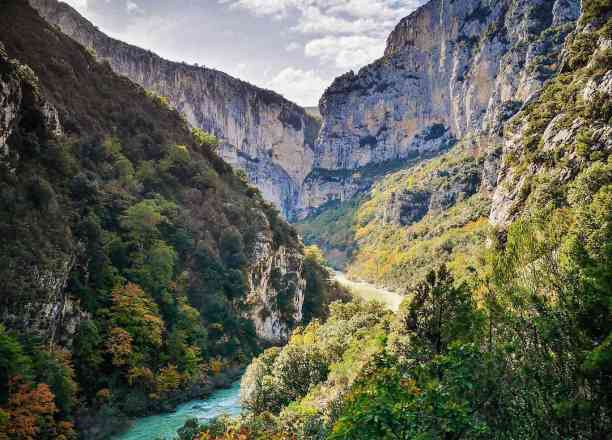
351,52
293,46
79,5
346,33
132,7
297,85
315,21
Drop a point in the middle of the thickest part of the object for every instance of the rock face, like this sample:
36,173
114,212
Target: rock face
268,137
10,102
452,68
276,289
540,166
46,309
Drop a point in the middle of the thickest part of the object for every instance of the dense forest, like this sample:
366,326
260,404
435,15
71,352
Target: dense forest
129,248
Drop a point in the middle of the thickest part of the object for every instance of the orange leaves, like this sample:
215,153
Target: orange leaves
138,314
26,407
119,345
215,366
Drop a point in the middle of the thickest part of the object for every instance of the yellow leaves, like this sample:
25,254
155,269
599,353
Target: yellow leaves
215,366
119,345
168,379
315,254
133,310
410,386
141,375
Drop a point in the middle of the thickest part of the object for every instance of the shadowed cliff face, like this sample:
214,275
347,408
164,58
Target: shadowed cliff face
452,68
270,138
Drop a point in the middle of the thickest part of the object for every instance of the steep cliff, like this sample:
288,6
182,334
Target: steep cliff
506,165
262,133
452,68
563,130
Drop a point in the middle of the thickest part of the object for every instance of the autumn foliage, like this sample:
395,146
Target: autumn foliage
30,413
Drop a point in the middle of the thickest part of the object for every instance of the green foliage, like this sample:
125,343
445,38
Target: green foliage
594,10
205,139
232,249
13,362
320,291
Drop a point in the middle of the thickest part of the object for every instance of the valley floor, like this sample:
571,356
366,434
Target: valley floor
369,292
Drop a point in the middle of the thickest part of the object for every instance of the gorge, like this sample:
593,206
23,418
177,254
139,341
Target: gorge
167,228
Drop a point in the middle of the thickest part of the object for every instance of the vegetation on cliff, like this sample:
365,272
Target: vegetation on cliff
519,348
127,246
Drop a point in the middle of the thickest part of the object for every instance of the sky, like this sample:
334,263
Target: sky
294,47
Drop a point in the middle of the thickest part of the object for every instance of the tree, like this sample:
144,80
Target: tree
205,139
138,315
55,369
29,407
13,361
119,345
232,249
438,313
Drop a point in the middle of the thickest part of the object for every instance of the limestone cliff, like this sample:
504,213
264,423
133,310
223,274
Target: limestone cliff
563,130
270,138
452,68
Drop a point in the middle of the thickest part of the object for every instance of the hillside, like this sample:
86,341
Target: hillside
139,269
517,343
484,67
267,136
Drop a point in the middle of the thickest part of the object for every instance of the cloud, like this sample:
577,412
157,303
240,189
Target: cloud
293,46
347,33
79,5
132,7
297,85
350,52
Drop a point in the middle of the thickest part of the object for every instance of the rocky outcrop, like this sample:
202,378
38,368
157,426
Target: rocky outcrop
452,68
10,102
406,207
573,131
45,309
276,289
268,137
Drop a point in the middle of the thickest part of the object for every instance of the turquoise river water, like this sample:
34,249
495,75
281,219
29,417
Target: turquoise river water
164,426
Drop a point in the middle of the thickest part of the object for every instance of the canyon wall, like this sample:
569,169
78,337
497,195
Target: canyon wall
452,68
262,133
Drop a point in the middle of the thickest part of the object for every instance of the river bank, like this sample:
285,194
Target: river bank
369,292
200,392
165,426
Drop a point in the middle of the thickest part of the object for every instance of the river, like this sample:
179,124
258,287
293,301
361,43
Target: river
369,291
164,426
